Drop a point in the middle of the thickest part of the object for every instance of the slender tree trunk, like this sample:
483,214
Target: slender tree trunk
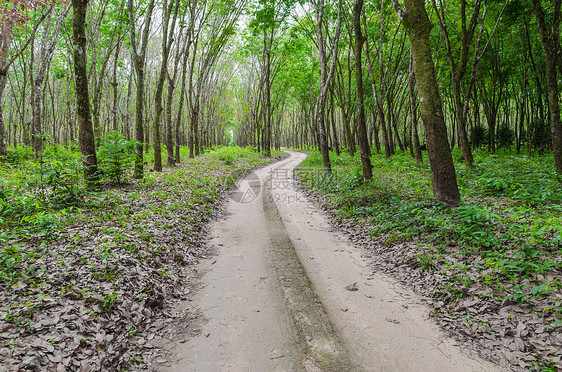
169,137
326,73
36,127
418,27
3,141
364,148
85,128
138,56
115,84
183,90
334,131
170,10
550,40
414,111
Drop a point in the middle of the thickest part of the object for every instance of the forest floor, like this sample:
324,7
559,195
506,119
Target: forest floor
490,270
87,280
286,292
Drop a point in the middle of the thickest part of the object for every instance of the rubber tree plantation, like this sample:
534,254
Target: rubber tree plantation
427,134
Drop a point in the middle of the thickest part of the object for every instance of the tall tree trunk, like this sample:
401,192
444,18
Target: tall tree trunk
418,26
364,148
334,131
326,73
550,40
3,140
85,128
139,56
115,84
171,161
414,111
267,44
167,39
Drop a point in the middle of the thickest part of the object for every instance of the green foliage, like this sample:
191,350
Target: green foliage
479,136
116,156
505,136
540,134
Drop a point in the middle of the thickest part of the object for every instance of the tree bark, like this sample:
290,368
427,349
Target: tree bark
3,140
418,27
550,40
139,57
364,148
85,128
414,111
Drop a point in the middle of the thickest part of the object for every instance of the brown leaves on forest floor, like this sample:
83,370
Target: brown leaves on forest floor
96,295
516,336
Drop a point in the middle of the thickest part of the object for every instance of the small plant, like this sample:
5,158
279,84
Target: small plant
116,156
109,300
63,190
130,330
425,261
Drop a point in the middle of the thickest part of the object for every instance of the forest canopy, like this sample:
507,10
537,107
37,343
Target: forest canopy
340,75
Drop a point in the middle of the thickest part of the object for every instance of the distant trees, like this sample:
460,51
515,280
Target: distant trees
13,15
491,80
330,74
109,67
139,45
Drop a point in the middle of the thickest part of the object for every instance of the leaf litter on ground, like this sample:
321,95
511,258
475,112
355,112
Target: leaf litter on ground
98,292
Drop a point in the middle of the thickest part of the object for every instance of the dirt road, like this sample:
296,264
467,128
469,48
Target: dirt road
277,296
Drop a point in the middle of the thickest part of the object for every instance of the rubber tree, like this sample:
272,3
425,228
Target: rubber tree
458,66
264,23
170,10
326,72
172,81
364,148
185,59
13,17
139,56
84,116
219,23
550,40
413,16
384,74
49,37
414,111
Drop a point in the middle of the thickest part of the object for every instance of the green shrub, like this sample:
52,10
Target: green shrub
505,136
116,156
479,136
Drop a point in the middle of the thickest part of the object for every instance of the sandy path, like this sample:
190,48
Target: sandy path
267,311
